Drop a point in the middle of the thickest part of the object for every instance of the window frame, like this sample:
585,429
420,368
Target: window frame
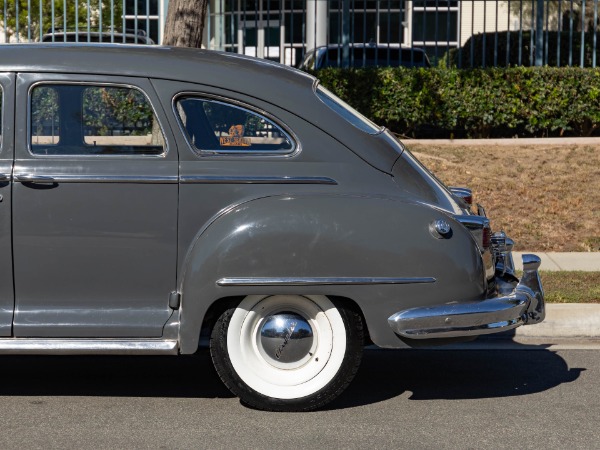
93,156
296,147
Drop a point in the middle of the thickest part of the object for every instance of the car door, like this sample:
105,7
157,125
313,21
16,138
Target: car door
7,87
94,208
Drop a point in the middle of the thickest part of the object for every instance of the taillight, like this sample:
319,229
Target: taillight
464,194
486,237
480,228
468,199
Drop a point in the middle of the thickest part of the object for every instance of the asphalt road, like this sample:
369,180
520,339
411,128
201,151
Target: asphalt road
400,399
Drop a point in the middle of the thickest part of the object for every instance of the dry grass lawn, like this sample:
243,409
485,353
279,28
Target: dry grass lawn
571,287
547,198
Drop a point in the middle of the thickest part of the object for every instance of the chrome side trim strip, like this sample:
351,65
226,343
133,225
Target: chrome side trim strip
201,179
30,178
63,346
192,179
293,281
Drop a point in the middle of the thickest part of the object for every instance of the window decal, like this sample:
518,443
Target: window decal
236,137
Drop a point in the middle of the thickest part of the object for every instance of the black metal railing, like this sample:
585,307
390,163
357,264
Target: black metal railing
460,33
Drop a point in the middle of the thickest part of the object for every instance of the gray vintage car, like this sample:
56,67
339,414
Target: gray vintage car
156,200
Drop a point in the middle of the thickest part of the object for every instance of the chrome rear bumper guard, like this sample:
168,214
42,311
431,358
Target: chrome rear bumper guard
523,304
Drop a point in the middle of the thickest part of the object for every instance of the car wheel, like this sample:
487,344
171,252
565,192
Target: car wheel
287,352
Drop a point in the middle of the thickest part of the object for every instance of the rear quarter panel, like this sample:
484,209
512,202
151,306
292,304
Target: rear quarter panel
306,236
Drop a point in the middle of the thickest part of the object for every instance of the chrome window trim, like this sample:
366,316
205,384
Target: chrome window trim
207,179
243,106
320,281
94,84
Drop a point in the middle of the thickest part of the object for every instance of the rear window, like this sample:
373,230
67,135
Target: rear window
347,112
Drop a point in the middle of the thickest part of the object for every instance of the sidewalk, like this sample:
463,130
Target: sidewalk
565,320
585,261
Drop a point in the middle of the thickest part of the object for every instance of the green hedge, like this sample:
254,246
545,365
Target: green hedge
428,103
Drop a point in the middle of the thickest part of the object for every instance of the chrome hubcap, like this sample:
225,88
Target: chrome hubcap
285,338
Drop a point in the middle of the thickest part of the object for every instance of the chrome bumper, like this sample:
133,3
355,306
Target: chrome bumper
522,304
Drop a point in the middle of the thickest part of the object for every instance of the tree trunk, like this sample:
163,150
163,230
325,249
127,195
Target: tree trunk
185,21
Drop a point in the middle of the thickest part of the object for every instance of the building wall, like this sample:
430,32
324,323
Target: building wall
483,16
432,25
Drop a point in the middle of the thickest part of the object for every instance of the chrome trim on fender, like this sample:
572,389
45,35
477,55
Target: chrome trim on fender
293,281
207,179
24,346
523,306
31,178
473,222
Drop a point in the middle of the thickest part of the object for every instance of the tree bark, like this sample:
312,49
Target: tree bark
184,25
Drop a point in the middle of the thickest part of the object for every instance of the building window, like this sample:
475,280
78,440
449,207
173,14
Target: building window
435,26
375,22
142,17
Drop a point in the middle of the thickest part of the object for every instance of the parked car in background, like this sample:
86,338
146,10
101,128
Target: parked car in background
82,35
365,55
156,200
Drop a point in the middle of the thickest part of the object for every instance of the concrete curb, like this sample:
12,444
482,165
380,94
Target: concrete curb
565,320
553,261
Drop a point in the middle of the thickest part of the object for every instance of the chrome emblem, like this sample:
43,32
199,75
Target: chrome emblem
286,339
440,229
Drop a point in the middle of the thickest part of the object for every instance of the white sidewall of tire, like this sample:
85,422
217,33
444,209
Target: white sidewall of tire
297,381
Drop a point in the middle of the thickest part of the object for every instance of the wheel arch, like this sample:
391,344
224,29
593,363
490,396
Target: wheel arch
220,305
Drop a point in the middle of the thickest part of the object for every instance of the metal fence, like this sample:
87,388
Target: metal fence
121,21
461,33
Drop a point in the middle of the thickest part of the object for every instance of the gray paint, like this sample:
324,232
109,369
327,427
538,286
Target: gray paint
92,259
98,253
7,81
322,235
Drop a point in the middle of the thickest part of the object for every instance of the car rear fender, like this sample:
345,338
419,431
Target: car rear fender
379,252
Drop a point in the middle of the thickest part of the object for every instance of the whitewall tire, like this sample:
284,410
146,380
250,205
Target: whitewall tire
287,352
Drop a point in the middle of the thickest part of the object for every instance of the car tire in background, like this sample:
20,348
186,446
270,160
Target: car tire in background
287,352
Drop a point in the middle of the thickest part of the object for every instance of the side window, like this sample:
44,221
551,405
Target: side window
92,120
1,114
216,126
